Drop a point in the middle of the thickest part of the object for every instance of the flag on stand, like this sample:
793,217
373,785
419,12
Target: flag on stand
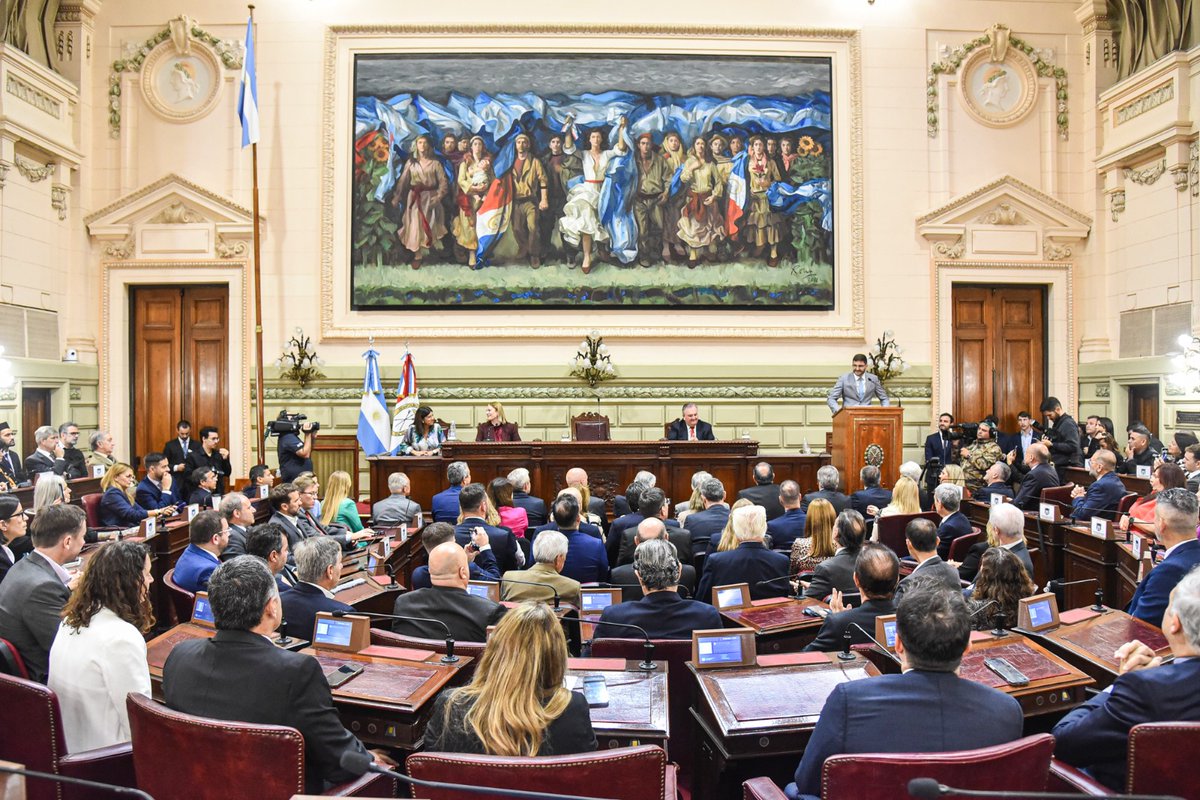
248,95
372,414
406,403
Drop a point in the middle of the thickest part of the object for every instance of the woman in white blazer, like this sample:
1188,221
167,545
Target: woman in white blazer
99,654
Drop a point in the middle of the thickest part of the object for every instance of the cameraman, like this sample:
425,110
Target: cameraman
295,455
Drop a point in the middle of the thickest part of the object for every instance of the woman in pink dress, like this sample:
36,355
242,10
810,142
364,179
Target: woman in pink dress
500,492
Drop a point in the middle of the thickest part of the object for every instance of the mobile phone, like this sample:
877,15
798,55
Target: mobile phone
595,690
342,674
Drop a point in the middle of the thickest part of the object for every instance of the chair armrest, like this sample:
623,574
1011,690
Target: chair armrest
1068,779
112,764
762,789
371,784
670,782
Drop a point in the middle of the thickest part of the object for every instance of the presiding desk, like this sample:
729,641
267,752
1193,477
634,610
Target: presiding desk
780,624
611,466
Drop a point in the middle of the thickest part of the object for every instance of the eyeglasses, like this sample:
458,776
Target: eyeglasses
310,494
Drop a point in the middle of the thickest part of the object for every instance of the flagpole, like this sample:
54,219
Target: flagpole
258,326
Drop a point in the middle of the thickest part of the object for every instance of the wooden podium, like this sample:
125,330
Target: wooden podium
861,428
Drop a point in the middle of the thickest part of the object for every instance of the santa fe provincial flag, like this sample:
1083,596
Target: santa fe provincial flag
372,414
406,403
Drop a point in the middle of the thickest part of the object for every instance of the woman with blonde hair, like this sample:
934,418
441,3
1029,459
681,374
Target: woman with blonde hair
906,499
696,501
117,509
496,427
728,539
339,507
516,704
953,473
817,543
50,490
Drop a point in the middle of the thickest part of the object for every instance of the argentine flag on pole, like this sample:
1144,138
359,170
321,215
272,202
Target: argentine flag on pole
373,422
407,402
248,96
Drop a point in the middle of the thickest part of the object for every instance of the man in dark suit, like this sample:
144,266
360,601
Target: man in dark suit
504,545
661,611
238,512
764,492
203,480
947,499
939,445
937,710
624,504
837,572
1061,436
995,482
1103,495
653,505
690,427
872,494
467,615
789,527
285,502
1175,515
626,577
318,567
11,471
178,449
703,524
577,477
444,506
1138,453
587,558
211,456
616,531
68,434
1191,466
828,480
35,590
482,562
920,537
270,543
1041,475
48,457
750,562
1023,439
239,675
155,490
535,507
856,388
1095,735
876,570
1008,523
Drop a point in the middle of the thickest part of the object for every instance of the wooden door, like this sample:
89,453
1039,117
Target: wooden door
180,342
1143,405
999,352
35,412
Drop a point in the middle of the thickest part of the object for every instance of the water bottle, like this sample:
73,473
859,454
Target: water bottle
453,434
807,450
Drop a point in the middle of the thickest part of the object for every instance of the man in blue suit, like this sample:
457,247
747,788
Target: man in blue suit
995,481
471,500
1095,736
939,445
318,566
690,427
587,558
444,507
481,563
872,494
703,524
1102,497
154,490
647,501
937,710
208,536
750,562
790,527
947,499
1175,515
662,611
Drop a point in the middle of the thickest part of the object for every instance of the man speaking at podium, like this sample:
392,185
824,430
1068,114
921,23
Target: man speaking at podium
856,388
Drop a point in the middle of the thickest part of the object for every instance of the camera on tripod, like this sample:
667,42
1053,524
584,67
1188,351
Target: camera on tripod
287,423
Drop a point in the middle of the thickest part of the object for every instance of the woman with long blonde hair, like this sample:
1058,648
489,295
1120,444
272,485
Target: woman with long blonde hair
696,501
339,506
516,704
728,538
817,543
117,509
953,473
906,499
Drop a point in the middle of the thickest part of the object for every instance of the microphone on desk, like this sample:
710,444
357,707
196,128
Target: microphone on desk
358,763
799,594
997,620
647,664
283,640
929,788
47,776
1098,606
504,580
449,658
874,641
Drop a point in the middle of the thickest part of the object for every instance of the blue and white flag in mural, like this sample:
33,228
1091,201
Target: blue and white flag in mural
374,425
786,198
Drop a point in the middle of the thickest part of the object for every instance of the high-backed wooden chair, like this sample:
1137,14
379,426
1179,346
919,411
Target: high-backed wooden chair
181,599
891,529
590,427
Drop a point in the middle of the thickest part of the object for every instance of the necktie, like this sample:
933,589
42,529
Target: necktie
860,388
691,434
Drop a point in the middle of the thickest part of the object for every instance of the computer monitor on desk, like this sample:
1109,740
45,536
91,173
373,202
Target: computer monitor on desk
732,597
489,590
723,647
1038,613
202,613
348,634
594,601
885,631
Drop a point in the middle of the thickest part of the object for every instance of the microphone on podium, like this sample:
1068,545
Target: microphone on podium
647,664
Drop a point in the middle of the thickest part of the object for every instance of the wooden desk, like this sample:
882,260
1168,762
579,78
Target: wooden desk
1088,557
369,596
1090,643
637,702
1054,685
756,720
611,466
780,625
79,487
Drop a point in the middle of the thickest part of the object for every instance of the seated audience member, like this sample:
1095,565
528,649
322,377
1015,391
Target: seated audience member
473,502
622,504
876,570
1177,445
259,682
995,482
36,588
1040,475
102,446
517,703
1175,516
750,562
587,558
828,480
99,654
696,501
1165,476
946,502
625,515
318,567
1095,735
535,507
310,515
1191,467
500,495
764,492
953,475
577,478
1006,529
238,512
912,471
50,490
979,456
838,572
689,427
590,528
626,577
117,509
482,565
920,537
205,481
1002,579
13,524
1138,453
270,543
396,510
549,556
155,490
425,437
340,507
937,710
285,502
444,506
712,519
1108,442
818,543
652,504
260,475
48,456
208,536
727,538
788,527
872,495
496,427
467,616
906,499
1103,495
661,610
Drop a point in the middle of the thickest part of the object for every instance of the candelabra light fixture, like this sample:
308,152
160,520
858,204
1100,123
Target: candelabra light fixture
592,362
887,358
299,363
1187,364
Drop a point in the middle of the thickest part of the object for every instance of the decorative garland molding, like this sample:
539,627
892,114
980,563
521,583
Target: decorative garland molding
918,392
1149,175
33,171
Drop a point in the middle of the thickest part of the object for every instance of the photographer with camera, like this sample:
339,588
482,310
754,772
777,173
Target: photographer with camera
295,454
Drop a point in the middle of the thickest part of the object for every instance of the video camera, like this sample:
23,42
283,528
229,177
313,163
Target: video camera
291,423
963,431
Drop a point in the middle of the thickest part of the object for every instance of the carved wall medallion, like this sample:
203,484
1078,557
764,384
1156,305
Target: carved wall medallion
181,86
119,250
227,249
1116,203
998,93
1102,390
873,455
